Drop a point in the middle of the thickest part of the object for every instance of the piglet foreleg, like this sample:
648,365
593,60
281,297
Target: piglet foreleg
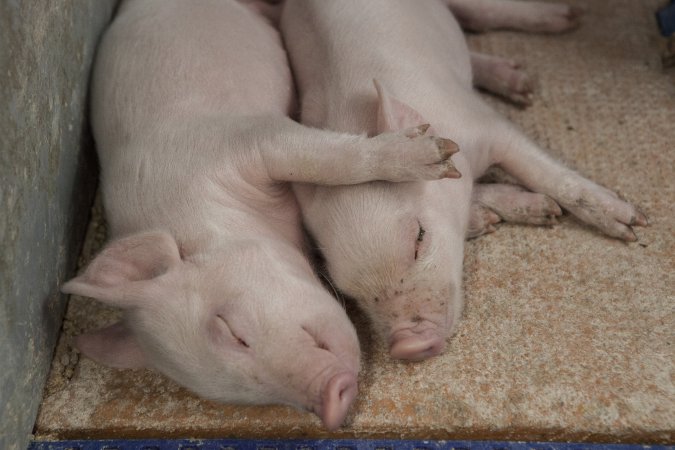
293,152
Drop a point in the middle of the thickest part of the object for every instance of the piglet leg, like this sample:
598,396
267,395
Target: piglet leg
292,152
492,203
591,203
538,17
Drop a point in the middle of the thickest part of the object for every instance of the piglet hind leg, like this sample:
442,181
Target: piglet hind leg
589,202
293,152
492,203
532,16
514,204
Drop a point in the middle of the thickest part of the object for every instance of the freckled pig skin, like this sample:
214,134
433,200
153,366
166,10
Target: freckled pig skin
405,266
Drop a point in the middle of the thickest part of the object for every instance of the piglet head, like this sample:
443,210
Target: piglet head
250,325
397,248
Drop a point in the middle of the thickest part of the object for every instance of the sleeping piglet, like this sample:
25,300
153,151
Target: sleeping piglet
398,248
207,258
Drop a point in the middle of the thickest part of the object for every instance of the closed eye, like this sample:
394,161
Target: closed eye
236,338
319,342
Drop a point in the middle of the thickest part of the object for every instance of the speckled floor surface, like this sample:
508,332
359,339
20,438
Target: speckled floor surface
567,334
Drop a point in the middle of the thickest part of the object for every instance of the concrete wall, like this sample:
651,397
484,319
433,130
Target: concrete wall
47,180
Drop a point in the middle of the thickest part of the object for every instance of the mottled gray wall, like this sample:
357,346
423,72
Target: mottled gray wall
47,178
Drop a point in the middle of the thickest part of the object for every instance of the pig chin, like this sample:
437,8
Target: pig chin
328,392
320,380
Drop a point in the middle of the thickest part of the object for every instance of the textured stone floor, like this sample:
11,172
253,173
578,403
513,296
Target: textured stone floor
567,334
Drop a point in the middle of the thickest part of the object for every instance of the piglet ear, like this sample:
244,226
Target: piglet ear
393,114
112,346
119,275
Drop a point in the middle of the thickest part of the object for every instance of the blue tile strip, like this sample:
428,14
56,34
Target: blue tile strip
666,19
323,444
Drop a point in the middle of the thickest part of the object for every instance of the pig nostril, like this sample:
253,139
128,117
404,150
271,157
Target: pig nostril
338,395
343,391
347,388
416,346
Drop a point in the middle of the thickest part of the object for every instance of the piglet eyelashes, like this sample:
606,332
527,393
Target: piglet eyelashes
236,338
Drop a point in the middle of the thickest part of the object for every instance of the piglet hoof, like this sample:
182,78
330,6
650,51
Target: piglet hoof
482,220
411,155
640,219
574,15
553,17
512,82
607,211
417,131
338,395
412,345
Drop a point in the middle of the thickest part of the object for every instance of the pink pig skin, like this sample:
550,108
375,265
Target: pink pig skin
398,248
189,108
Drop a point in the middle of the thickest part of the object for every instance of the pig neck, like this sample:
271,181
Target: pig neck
227,225
216,201
229,217
228,221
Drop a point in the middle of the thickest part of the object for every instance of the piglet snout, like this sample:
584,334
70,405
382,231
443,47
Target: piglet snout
337,397
416,344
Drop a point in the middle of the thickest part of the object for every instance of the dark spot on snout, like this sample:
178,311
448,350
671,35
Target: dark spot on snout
416,318
420,234
376,299
420,238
